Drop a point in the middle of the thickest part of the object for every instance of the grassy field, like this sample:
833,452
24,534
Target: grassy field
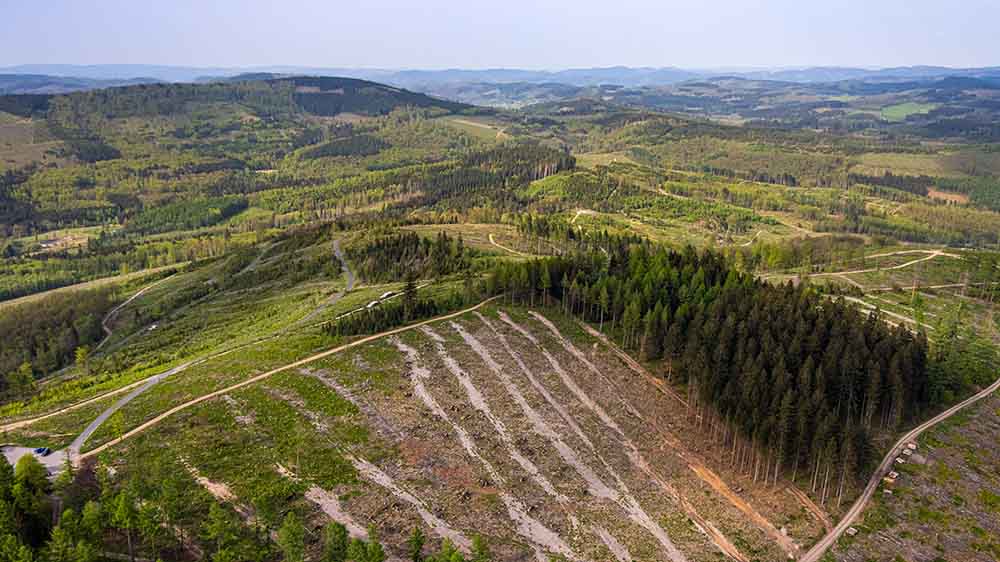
594,159
899,112
478,127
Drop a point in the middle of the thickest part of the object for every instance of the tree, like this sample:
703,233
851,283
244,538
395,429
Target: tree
357,551
291,538
219,528
415,545
60,547
374,551
82,358
125,517
91,521
30,491
545,283
335,542
604,302
152,524
11,550
22,381
6,479
410,295
117,424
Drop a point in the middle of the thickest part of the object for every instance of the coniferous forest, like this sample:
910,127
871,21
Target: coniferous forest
793,381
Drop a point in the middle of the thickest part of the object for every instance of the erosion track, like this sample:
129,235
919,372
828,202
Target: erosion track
440,528
810,506
625,498
751,240
819,549
301,362
871,308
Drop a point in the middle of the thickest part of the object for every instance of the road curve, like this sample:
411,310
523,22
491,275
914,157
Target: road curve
143,385
107,317
156,420
74,448
502,247
819,549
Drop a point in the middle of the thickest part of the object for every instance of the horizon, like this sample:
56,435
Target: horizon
277,67
440,36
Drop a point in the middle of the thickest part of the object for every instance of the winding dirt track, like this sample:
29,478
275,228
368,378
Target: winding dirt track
143,385
695,464
502,247
819,549
114,311
932,254
156,420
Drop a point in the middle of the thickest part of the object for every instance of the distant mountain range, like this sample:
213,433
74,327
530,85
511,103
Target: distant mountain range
44,84
420,79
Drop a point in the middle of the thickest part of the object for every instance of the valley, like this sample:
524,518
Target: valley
575,331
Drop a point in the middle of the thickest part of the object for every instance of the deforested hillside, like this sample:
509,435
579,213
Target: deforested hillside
293,318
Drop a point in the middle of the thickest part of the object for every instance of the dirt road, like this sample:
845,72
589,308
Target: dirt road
156,420
940,252
142,386
332,299
92,284
74,448
819,549
931,255
502,247
105,322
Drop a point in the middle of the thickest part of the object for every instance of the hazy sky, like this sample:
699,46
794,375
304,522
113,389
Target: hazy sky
506,33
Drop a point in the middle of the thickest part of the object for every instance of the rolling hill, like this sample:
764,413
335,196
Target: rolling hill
274,317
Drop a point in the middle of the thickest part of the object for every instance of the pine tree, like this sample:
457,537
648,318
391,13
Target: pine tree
125,517
291,538
335,542
415,545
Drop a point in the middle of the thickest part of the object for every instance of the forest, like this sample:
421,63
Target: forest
42,336
801,405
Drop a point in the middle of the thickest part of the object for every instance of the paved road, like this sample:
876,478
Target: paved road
820,548
74,448
142,386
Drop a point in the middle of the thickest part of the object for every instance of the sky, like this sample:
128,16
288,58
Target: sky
536,34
